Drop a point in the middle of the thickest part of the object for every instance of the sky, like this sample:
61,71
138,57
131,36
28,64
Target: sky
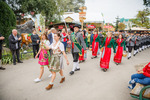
113,8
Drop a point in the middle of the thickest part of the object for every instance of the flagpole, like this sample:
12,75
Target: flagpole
65,24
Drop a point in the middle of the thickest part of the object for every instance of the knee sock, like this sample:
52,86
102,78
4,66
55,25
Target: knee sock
51,83
134,51
62,76
74,66
78,65
129,55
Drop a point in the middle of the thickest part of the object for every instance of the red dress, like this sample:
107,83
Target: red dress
119,53
106,54
95,45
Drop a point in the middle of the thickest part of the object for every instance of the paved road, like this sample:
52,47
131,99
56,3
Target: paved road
16,82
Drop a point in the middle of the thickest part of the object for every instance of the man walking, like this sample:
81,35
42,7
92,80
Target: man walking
77,42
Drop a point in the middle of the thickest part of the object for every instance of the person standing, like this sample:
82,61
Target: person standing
1,42
89,39
120,43
64,37
51,37
35,42
130,43
14,45
77,42
106,52
95,43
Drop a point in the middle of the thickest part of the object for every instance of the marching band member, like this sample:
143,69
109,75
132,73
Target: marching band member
137,43
130,43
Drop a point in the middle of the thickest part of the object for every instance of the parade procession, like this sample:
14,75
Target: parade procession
75,49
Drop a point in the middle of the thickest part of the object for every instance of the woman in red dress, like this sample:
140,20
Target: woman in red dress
120,43
106,52
96,42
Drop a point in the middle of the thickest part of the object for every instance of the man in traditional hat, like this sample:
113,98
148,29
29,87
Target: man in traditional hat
137,43
77,42
130,43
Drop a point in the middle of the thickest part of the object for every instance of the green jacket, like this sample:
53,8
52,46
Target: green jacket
96,40
112,43
123,44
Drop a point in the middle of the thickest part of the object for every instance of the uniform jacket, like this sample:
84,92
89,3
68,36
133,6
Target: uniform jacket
80,40
130,42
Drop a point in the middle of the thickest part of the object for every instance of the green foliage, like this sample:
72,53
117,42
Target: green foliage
8,59
121,26
7,21
146,2
142,18
52,9
69,5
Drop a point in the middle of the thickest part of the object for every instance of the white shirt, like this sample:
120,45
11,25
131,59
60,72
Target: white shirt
59,44
53,38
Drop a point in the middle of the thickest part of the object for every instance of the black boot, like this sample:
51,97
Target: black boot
77,69
2,68
20,62
71,73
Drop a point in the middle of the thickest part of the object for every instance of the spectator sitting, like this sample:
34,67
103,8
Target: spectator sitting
142,77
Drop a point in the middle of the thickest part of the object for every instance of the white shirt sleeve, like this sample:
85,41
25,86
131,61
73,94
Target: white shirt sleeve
47,43
61,46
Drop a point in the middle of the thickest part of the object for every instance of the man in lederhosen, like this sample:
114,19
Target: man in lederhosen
130,43
137,43
140,42
77,42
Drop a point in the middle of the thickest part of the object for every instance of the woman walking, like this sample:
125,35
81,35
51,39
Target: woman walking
44,56
56,63
106,52
96,42
120,43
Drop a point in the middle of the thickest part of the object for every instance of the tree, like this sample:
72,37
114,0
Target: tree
7,20
142,19
121,26
52,9
146,2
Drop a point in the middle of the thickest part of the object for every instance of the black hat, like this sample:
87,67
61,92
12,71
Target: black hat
130,31
77,25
